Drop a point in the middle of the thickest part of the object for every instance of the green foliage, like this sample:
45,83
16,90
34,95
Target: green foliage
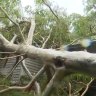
74,82
83,26
89,5
46,23
39,2
12,7
3,81
9,31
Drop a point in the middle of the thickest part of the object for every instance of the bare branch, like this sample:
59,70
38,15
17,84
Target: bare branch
7,16
36,84
87,87
21,32
13,39
7,52
72,61
49,86
12,88
46,40
70,89
38,89
12,57
50,9
12,22
10,73
29,86
31,32
26,69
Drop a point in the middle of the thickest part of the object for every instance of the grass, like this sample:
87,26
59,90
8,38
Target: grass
13,92
16,93
61,88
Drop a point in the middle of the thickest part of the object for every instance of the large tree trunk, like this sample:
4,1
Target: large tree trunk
70,61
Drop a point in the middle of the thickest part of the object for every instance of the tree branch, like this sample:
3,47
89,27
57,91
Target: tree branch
29,86
12,88
13,22
37,86
49,86
50,9
10,73
12,57
80,61
13,39
46,40
31,31
87,87
70,89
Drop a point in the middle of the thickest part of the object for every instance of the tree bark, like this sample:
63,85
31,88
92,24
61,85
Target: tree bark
80,61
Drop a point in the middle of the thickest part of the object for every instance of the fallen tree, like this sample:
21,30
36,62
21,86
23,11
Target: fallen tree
63,63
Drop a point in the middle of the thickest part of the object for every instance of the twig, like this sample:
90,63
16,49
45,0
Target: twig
46,40
77,92
87,86
7,52
12,88
21,32
74,41
12,57
79,83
